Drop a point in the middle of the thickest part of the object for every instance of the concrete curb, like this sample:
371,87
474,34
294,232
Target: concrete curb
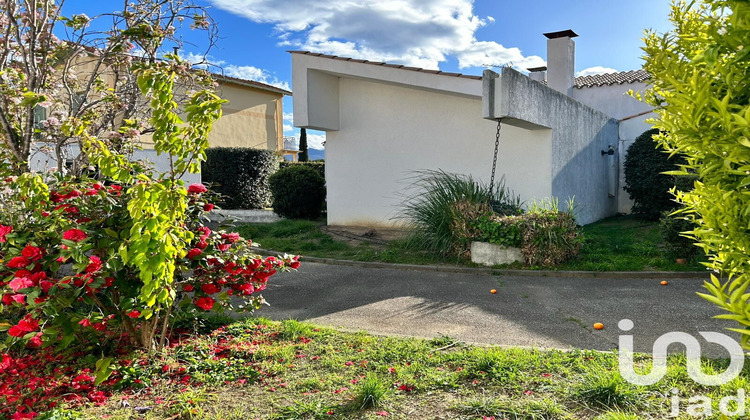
505,272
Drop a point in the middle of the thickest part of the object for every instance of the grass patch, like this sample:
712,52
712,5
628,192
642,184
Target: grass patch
622,243
335,375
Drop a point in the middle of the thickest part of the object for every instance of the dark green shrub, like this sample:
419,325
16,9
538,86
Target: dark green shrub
240,175
647,186
439,209
319,166
671,228
298,192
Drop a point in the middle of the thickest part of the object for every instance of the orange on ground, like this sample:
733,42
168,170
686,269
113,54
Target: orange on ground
664,283
493,291
598,326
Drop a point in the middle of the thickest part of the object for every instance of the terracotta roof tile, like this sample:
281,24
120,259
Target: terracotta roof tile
619,78
250,83
580,82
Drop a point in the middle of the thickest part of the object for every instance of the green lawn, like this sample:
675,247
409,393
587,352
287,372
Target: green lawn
258,369
623,243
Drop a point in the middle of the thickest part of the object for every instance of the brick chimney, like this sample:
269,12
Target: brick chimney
561,52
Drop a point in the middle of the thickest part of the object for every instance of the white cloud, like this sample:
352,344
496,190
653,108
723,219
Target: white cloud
288,128
242,72
256,74
595,70
315,141
483,54
413,32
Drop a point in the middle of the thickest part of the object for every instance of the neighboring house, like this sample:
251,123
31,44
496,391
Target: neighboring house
385,121
253,118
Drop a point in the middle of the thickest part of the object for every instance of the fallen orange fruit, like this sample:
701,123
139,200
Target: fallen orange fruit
664,283
493,291
598,326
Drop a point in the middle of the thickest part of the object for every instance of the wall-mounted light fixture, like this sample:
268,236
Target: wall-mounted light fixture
610,151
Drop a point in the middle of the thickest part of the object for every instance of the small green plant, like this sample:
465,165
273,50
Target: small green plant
514,410
440,208
673,229
550,236
370,392
293,329
298,192
499,230
605,388
311,409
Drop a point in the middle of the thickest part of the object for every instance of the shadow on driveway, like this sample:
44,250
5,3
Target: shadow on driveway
544,312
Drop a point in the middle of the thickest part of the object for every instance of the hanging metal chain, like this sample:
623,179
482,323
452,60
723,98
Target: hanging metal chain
494,159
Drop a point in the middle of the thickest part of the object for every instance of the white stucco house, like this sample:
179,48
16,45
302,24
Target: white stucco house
385,121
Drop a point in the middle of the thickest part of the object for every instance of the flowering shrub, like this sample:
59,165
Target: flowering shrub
65,273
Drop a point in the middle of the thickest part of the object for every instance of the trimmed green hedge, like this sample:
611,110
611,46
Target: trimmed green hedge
298,192
240,175
317,165
645,182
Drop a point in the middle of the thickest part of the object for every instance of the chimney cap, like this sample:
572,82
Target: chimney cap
561,34
536,69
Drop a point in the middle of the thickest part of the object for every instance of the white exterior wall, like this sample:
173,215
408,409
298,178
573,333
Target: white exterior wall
43,159
387,132
614,101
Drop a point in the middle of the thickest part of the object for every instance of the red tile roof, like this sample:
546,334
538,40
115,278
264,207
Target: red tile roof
580,82
250,83
618,78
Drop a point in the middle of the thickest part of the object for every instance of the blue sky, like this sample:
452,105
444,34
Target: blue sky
450,35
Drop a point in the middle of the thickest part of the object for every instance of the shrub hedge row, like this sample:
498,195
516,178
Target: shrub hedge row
240,175
317,165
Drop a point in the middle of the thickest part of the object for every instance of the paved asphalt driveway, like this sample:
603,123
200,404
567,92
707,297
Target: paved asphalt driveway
543,312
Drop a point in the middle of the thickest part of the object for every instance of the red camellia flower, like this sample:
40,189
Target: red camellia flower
14,331
231,237
31,252
208,207
75,235
133,314
194,253
95,264
18,262
188,288
19,298
24,326
204,231
197,188
4,230
205,303
19,283
210,288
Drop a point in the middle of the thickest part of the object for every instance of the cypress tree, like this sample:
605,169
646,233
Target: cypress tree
303,157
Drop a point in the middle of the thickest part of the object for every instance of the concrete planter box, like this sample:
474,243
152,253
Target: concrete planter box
244,216
491,254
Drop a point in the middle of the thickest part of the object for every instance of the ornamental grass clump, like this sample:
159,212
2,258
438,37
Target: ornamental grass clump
440,207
